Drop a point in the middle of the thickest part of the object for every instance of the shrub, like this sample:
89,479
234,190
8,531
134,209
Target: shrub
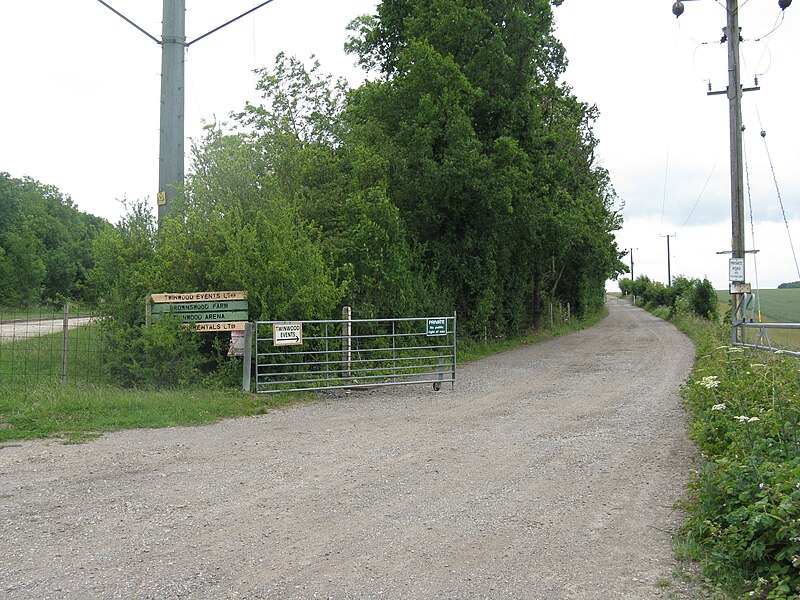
162,355
744,507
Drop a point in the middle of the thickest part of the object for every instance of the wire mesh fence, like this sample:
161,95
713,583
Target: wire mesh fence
59,344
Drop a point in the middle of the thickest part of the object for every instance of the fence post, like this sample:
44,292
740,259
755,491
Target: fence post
65,329
347,332
247,359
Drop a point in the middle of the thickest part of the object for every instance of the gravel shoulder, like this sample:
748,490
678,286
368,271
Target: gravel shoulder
550,472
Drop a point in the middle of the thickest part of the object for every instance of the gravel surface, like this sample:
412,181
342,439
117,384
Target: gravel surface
550,471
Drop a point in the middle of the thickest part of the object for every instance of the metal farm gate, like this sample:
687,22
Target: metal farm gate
354,353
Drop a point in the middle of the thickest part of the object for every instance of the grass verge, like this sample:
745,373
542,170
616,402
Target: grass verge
79,412
743,507
36,407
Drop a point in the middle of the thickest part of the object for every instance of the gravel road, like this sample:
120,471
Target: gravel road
21,329
547,472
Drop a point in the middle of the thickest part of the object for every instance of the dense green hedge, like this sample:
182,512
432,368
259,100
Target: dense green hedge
683,296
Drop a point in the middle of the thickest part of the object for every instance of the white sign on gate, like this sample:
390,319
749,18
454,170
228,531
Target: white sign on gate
287,334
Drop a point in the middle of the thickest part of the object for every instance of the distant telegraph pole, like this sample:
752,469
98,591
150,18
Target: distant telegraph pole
173,46
631,253
669,263
734,93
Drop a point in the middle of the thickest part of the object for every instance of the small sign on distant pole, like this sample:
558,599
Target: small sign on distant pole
287,334
736,269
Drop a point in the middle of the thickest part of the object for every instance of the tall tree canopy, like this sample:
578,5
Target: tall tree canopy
490,159
45,244
460,176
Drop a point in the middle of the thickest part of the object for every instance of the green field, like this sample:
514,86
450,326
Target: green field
779,306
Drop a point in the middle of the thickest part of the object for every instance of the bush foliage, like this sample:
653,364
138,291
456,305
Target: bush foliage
684,296
460,176
45,244
744,508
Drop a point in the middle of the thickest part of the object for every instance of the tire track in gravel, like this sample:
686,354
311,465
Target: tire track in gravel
547,472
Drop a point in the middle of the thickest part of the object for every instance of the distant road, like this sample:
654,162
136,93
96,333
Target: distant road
23,329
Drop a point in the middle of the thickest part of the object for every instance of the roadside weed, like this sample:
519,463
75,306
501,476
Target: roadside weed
743,520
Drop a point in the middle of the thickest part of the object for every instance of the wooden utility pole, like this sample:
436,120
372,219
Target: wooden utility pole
669,263
632,249
737,163
734,93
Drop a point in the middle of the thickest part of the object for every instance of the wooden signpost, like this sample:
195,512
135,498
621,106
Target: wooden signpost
210,312
202,311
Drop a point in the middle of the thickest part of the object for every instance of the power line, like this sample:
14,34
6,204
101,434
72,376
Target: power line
127,20
705,185
780,199
173,56
752,228
244,14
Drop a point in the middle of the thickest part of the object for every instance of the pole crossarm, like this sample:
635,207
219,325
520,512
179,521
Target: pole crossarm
119,14
244,14
173,51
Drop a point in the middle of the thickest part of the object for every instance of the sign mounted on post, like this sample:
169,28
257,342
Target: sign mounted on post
287,334
736,270
203,311
436,327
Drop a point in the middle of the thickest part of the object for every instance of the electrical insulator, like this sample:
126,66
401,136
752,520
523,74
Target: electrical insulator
677,8
784,4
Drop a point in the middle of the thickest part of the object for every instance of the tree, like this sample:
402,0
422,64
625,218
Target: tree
490,160
45,243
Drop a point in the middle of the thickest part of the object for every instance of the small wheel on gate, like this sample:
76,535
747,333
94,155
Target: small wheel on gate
437,386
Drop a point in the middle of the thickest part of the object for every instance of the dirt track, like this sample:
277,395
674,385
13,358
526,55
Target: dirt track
548,472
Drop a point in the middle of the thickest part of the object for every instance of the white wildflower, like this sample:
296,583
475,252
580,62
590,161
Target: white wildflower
719,407
746,419
710,381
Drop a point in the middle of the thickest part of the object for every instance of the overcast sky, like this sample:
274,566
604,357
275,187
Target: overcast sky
80,107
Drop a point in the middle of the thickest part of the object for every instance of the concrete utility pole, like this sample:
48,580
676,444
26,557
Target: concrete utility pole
170,154
173,49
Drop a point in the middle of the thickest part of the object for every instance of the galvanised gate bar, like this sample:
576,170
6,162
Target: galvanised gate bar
354,353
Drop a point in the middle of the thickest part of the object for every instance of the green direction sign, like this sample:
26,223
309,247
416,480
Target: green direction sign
206,317
437,327
195,307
